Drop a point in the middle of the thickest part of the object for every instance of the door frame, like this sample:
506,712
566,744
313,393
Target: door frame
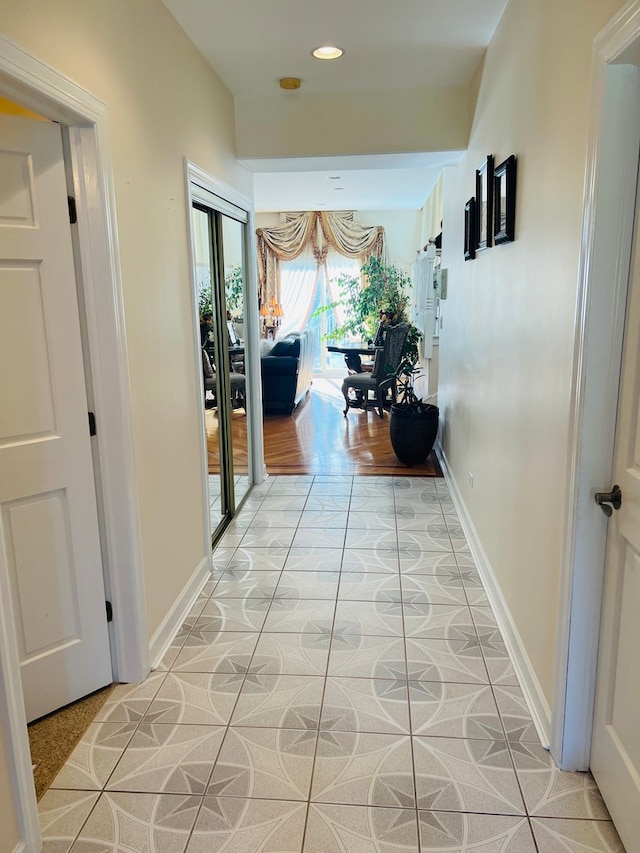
195,178
603,278
38,86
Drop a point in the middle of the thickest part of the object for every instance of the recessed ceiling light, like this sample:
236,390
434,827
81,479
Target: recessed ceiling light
334,177
338,188
327,52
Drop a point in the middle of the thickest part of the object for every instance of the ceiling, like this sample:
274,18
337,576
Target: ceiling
364,182
388,46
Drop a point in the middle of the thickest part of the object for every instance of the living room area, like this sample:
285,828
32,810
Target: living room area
306,260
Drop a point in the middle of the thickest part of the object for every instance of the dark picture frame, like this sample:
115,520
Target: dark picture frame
470,230
504,204
484,203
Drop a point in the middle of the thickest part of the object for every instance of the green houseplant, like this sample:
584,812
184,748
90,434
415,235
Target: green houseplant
413,425
233,285
234,294
386,292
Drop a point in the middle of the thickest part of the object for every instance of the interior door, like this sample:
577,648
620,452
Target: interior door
49,540
615,758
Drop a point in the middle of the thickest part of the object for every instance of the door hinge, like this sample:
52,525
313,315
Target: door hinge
73,214
109,611
92,424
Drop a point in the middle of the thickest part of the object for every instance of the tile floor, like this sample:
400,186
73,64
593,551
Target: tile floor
339,687
241,487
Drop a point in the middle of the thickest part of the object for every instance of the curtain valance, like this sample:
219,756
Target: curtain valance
320,230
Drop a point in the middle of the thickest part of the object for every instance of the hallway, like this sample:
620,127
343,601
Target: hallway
340,686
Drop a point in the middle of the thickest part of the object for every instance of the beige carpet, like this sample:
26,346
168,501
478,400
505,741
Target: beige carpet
53,738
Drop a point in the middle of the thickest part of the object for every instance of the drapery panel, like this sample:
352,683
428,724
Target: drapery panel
348,237
320,230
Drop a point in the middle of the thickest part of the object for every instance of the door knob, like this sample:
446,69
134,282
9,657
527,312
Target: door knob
606,500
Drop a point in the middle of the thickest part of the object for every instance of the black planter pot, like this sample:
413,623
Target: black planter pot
413,433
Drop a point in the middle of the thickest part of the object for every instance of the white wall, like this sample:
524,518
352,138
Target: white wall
506,345
10,831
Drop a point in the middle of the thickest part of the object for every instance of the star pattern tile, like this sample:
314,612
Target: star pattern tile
340,685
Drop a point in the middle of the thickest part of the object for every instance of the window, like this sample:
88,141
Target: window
305,287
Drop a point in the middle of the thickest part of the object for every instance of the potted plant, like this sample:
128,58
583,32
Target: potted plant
413,425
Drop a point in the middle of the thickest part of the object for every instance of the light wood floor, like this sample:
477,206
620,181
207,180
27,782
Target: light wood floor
318,439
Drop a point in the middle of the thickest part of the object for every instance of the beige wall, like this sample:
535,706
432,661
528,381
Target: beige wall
267,220
402,232
431,213
506,345
164,102
292,124
9,829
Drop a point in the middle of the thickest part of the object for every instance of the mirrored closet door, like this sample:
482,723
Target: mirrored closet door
220,272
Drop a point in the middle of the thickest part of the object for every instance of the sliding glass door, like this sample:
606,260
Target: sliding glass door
220,261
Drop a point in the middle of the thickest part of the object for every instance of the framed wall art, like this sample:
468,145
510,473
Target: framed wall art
470,230
504,201
484,203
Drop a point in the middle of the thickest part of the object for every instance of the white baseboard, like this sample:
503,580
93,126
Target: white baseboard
534,696
170,625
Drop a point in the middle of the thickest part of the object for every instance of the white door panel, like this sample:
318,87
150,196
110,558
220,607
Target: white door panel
24,342
615,758
16,179
42,572
48,521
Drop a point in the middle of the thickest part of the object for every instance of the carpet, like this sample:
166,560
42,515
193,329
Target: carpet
53,738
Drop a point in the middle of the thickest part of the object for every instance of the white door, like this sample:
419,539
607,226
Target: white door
49,539
615,758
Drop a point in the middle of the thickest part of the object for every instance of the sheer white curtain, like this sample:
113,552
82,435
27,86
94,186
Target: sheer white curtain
336,267
298,283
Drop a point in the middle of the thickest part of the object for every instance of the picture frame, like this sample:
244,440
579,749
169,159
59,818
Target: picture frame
504,206
470,230
484,203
